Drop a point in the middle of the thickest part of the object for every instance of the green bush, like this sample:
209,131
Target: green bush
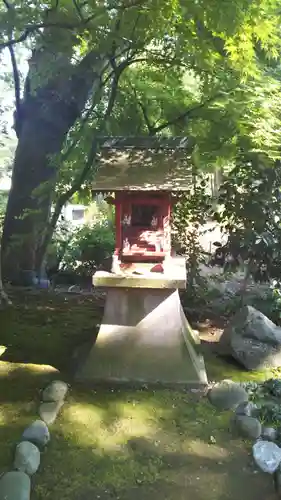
82,250
92,243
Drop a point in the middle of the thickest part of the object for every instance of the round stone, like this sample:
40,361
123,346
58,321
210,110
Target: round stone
27,458
55,392
267,456
37,433
15,485
248,427
226,395
49,411
247,408
269,434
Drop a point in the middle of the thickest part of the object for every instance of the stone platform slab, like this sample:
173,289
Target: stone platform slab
144,338
140,276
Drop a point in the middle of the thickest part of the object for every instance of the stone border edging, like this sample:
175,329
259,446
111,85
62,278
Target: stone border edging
16,483
235,397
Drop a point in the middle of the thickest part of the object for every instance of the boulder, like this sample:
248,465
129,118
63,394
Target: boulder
246,408
55,391
49,411
226,395
267,456
15,485
252,339
27,458
37,433
269,434
248,427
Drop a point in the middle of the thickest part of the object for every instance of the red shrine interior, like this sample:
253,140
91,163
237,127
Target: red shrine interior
143,232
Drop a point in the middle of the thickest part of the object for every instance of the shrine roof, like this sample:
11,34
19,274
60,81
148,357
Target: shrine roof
144,164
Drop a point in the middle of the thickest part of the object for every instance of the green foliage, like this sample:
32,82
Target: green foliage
191,211
178,57
208,70
81,250
91,243
249,211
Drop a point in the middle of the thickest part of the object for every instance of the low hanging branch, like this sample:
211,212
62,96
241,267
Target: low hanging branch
16,76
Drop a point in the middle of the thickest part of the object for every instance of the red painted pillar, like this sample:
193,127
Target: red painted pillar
118,226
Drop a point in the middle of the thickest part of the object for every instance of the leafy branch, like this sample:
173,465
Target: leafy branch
32,28
16,76
190,112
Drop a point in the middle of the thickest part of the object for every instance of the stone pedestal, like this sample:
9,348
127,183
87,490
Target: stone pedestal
144,336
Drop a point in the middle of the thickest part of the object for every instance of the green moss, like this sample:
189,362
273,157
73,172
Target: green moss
219,369
45,328
114,443
115,440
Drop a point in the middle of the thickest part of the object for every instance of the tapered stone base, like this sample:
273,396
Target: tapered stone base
144,338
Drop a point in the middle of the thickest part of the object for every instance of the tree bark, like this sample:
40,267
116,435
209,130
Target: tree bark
4,299
46,117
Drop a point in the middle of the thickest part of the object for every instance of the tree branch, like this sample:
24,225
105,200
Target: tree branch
35,27
16,76
70,26
217,42
150,127
64,197
78,10
185,114
16,83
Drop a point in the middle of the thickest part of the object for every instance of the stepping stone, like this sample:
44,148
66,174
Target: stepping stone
37,433
15,485
49,411
267,456
248,427
55,392
247,408
27,458
269,434
226,395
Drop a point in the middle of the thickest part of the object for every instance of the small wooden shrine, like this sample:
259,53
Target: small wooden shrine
144,336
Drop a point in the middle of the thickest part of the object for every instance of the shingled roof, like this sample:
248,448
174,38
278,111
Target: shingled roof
144,163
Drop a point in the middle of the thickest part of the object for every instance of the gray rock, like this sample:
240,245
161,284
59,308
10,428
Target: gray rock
27,458
15,485
226,395
37,433
56,391
252,339
246,408
269,434
249,427
49,411
267,456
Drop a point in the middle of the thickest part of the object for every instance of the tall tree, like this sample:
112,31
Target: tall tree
81,53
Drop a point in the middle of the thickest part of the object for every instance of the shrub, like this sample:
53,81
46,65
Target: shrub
82,250
93,243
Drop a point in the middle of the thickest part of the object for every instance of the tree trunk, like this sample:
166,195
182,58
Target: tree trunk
4,299
46,117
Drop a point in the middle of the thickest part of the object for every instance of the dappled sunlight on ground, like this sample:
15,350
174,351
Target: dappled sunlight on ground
115,443
119,443
117,423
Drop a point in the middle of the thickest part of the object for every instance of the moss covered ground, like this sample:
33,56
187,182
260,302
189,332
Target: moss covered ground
115,443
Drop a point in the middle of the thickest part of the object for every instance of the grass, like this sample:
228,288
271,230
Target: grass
114,443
